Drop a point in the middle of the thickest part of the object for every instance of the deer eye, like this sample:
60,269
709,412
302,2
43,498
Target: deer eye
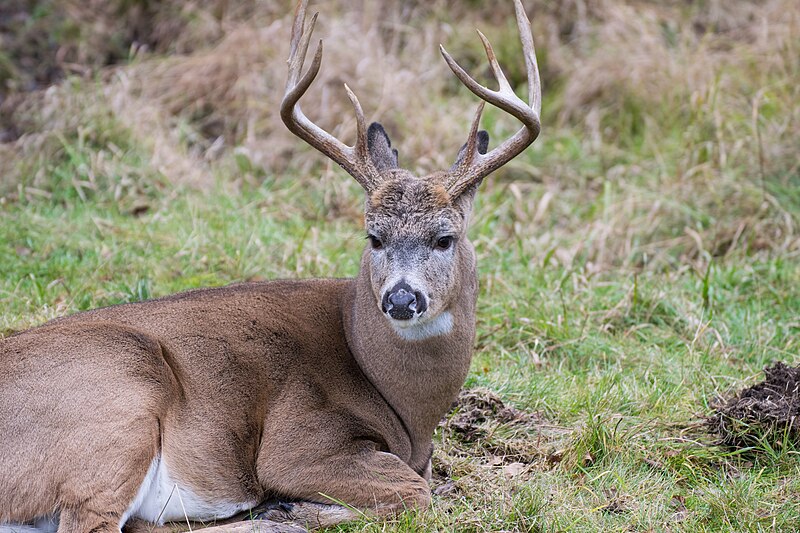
375,242
444,243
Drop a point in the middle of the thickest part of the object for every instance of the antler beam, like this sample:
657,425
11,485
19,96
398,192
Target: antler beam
354,159
476,166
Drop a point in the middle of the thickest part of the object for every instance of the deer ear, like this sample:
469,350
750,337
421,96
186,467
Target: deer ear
383,156
483,146
463,201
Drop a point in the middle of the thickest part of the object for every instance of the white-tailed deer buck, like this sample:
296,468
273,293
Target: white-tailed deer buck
315,392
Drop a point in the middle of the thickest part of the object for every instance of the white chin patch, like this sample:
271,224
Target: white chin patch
441,325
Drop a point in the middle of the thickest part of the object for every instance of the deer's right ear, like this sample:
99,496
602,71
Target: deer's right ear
383,156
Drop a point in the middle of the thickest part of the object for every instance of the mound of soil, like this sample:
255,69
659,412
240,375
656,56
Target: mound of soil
766,412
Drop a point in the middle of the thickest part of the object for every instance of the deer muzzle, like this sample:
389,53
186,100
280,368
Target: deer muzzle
402,302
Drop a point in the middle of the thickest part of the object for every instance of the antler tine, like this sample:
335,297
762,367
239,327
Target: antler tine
481,165
496,70
354,159
361,127
297,34
529,53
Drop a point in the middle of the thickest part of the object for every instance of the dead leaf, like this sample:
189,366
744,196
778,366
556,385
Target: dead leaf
513,470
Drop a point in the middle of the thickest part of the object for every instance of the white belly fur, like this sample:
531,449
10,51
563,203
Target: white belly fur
160,499
45,524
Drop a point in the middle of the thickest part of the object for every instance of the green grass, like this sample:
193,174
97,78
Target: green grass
625,363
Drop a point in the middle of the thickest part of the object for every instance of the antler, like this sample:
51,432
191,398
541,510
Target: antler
474,166
354,159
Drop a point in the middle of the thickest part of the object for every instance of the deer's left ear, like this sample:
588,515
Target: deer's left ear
383,156
482,146
463,201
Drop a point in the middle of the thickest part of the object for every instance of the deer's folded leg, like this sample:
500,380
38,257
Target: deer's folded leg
336,489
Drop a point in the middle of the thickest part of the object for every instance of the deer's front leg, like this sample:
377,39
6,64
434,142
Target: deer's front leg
334,489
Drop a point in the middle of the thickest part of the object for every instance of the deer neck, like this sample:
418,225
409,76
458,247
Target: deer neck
419,373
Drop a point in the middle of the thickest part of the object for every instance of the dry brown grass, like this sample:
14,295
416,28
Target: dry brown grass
680,120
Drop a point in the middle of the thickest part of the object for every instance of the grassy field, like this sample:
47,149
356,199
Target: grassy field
639,262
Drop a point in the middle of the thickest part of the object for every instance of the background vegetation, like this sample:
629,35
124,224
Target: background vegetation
638,262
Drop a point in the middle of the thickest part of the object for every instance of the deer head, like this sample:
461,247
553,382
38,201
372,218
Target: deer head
416,226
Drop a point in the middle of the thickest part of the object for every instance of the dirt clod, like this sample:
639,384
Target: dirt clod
617,504
767,412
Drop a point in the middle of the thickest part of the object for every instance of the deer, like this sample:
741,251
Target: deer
319,397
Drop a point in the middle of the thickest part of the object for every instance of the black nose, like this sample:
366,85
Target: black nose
401,302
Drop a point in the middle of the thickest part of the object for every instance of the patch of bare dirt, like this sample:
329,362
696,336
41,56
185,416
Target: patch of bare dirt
766,412
488,445
475,407
481,424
